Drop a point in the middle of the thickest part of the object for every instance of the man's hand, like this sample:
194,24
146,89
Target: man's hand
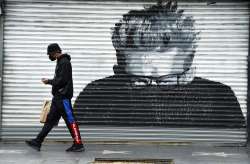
45,81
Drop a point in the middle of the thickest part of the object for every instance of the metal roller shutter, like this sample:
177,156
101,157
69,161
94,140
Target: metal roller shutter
83,29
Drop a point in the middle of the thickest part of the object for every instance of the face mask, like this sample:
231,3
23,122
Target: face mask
52,58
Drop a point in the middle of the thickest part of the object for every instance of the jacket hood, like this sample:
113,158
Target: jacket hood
65,56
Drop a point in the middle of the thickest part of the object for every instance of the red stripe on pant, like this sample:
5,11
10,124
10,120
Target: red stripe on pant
76,133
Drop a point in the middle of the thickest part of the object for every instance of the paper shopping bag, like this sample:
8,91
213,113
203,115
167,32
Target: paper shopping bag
45,111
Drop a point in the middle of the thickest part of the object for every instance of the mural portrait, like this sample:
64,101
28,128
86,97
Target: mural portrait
154,81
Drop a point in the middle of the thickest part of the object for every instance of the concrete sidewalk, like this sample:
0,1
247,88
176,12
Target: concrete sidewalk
54,153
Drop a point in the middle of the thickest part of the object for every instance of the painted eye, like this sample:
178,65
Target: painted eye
166,39
163,48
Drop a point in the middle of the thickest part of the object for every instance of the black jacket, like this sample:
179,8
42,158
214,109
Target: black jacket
201,103
62,83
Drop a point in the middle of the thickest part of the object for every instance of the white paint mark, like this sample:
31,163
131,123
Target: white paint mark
115,152
2,151
218,154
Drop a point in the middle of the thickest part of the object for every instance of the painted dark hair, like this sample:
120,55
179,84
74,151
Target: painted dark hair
159,26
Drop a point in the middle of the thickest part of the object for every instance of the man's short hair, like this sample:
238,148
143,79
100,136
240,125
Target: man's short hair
160,25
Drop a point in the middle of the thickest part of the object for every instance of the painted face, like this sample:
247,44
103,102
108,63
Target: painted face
157,62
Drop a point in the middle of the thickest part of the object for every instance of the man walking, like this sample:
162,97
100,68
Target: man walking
62,91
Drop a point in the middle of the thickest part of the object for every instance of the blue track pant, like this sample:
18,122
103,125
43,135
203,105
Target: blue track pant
61,108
